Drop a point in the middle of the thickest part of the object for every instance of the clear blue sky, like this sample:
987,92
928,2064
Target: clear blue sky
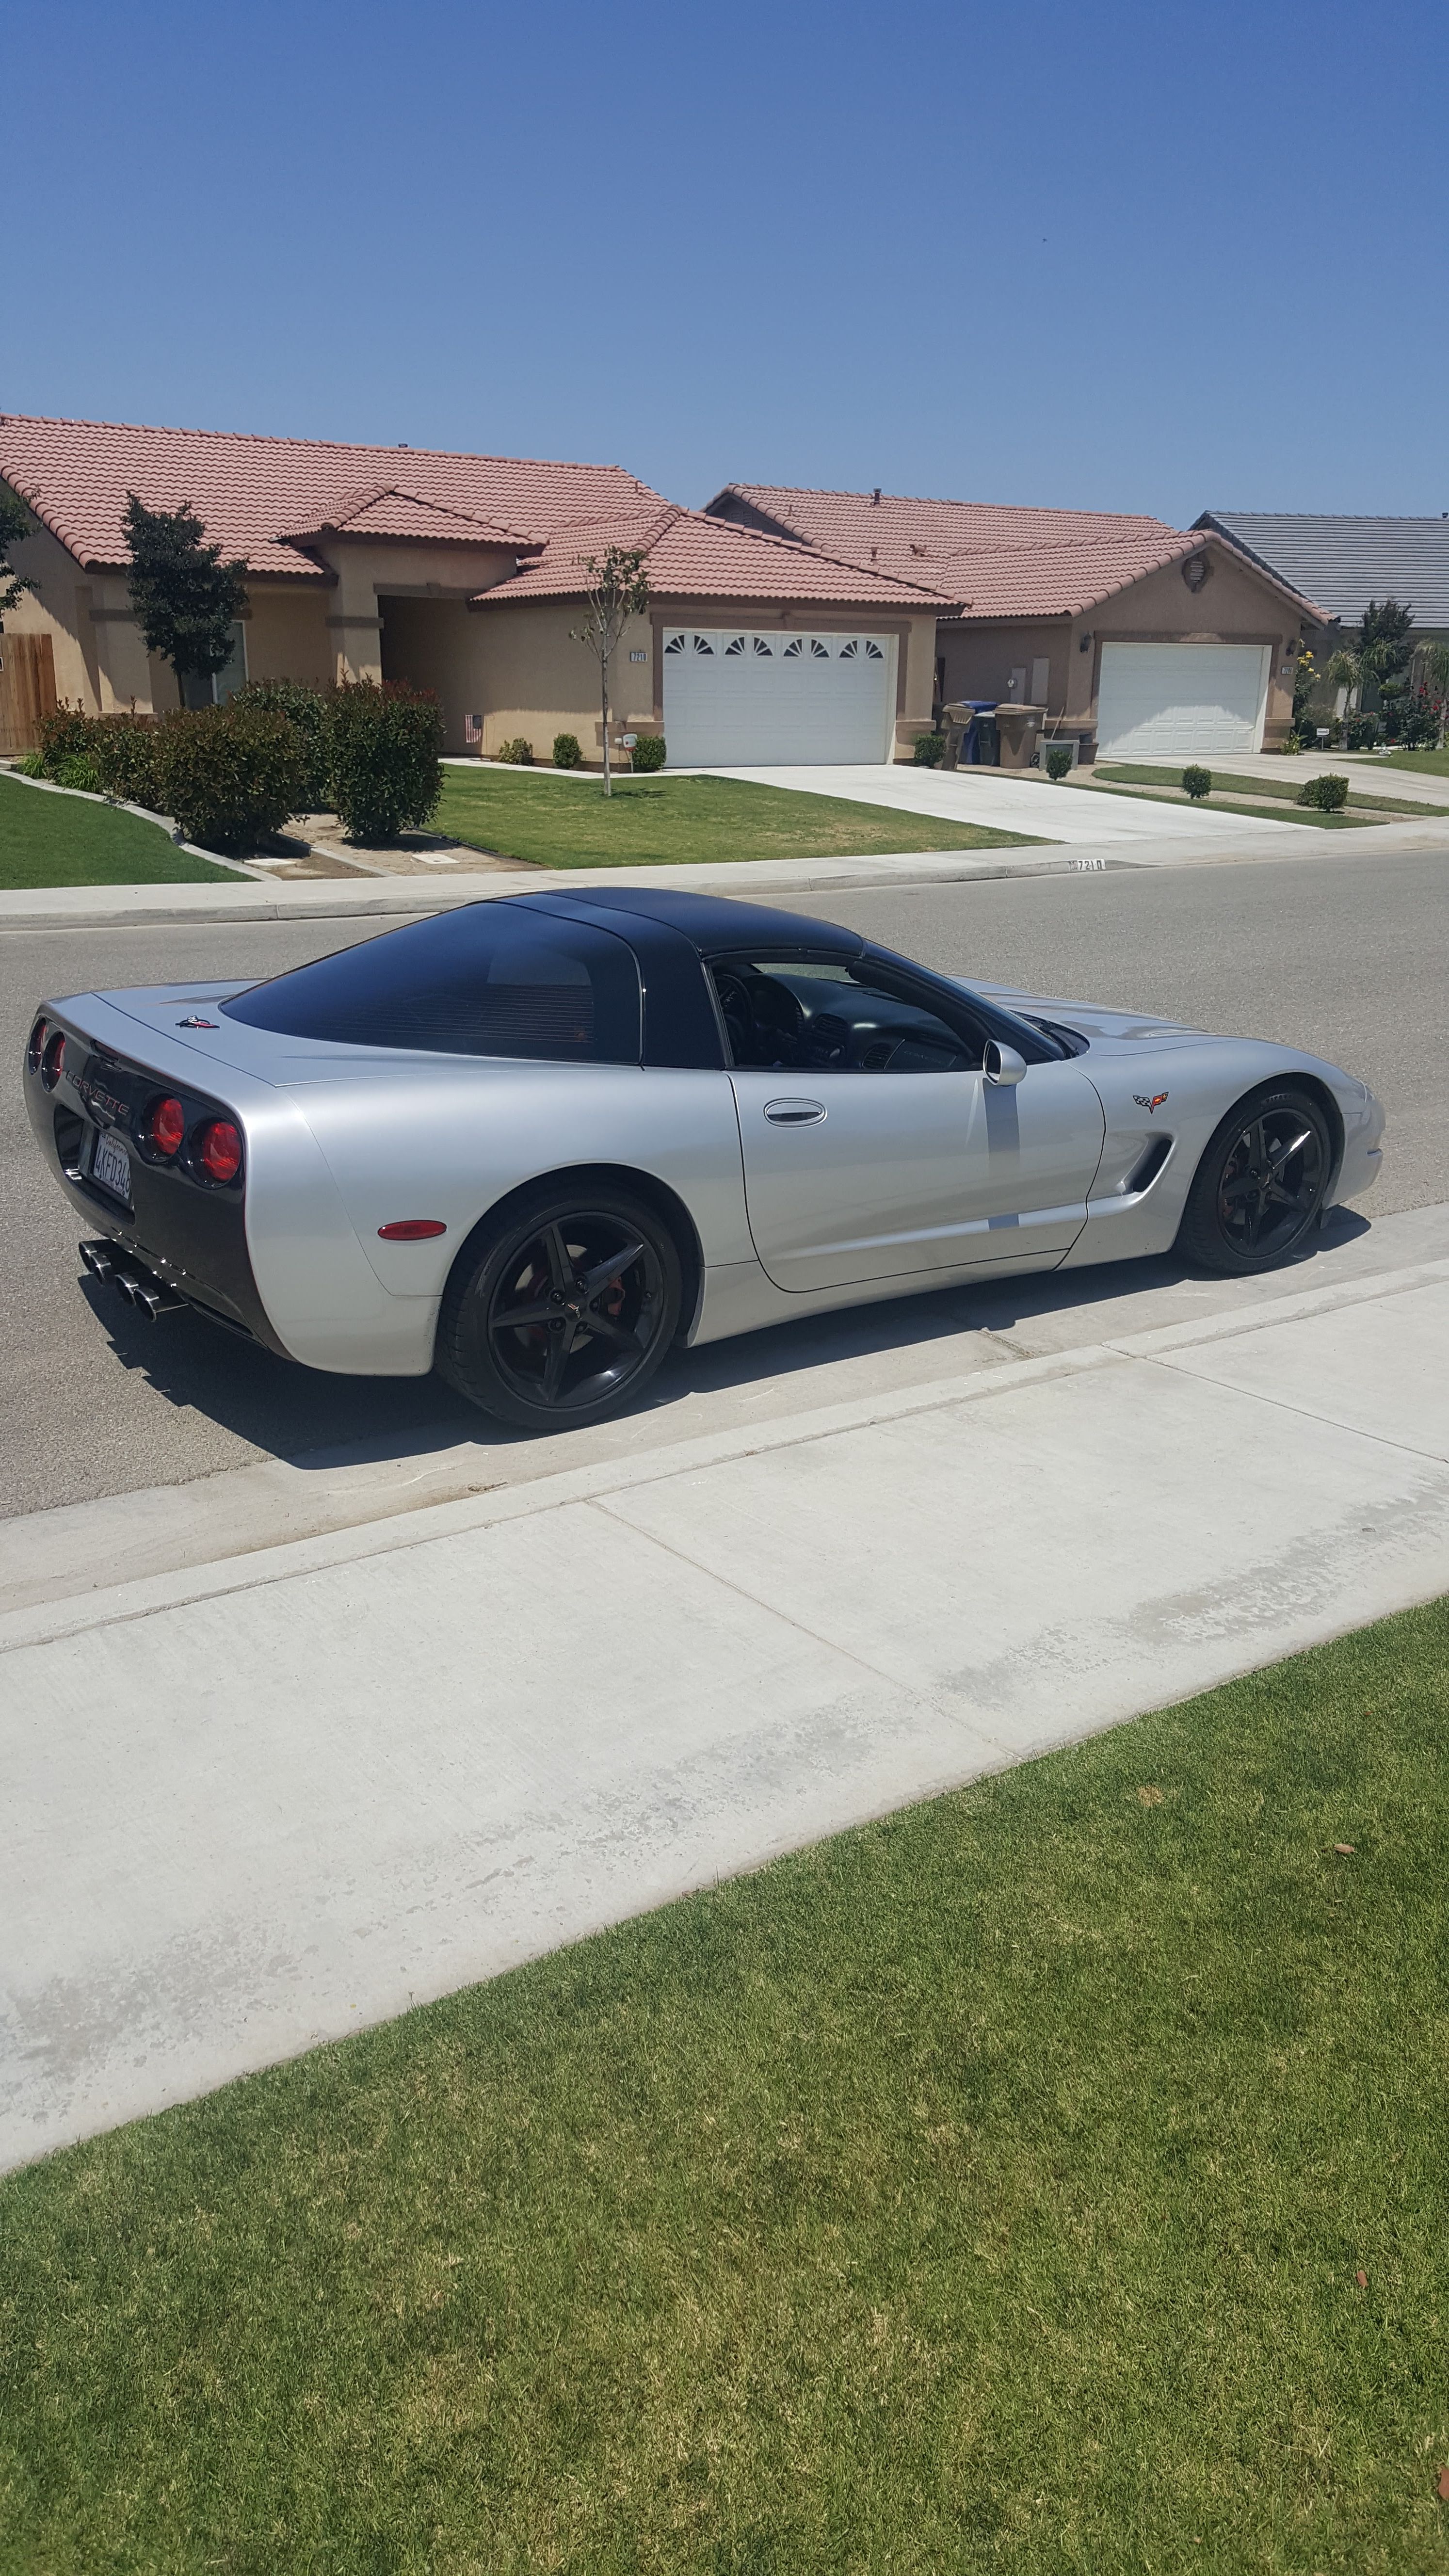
1108,255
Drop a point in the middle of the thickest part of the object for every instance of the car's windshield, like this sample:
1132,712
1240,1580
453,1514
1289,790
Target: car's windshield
491,979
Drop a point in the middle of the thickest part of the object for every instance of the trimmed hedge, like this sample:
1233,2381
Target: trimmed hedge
649,751
1327,793
566,752
517,751
1058,762
383,757
229,775
305,709
930,750
124,751
67,734
1197,782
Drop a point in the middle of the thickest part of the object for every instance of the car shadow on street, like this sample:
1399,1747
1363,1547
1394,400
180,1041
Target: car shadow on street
321,1422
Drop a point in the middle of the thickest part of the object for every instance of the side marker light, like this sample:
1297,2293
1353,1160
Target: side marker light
412,1229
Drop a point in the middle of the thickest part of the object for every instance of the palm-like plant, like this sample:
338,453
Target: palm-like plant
1431,671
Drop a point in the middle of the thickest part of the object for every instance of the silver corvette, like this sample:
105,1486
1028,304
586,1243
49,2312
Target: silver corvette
534,1142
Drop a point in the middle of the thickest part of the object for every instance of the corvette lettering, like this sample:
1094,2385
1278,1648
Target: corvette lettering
1155,1102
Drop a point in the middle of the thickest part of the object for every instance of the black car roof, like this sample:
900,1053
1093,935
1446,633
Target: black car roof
711,922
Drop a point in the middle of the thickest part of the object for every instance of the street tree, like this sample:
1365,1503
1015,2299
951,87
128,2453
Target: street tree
185,598
617,589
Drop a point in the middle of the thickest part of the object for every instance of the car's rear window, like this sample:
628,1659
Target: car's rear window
492,979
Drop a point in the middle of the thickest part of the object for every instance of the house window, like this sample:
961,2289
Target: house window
213,688
675,644
794,651
820,651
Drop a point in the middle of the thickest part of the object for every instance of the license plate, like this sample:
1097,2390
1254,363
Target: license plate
111,1166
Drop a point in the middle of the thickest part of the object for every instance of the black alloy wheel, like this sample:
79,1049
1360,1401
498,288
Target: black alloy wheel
563,1311
1261,1183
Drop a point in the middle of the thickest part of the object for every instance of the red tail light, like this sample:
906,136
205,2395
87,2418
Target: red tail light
36,1048
52,1063
166,1127
220,1151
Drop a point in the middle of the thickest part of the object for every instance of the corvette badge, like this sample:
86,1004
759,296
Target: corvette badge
1155,1102
196,1024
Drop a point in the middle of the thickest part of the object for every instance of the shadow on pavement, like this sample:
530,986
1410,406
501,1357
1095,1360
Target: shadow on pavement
320,1422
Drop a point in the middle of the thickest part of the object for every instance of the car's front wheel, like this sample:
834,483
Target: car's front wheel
561,1310
1260,1184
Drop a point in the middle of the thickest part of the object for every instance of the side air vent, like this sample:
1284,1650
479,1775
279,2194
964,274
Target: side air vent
1145,1170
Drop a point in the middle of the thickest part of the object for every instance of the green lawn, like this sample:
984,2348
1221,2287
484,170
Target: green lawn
1277,787
1048,2181
1436,762
651,822
66,840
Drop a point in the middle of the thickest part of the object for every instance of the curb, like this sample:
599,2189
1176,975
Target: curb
85,907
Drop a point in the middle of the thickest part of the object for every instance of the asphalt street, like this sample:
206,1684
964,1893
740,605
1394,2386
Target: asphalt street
1342,955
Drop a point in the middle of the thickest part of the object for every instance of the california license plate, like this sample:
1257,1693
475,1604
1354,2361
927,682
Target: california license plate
111,1167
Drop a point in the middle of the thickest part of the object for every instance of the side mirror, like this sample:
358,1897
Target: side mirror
1002,1063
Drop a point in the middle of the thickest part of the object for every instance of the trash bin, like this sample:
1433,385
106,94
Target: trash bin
1018,728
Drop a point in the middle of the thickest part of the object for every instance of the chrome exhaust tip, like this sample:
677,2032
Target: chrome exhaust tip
127,1284
99,1260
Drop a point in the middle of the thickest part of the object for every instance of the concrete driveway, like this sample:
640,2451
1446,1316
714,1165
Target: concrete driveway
1023,804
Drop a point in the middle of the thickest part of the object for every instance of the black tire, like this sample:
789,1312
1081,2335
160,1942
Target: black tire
560,1309
1261,1183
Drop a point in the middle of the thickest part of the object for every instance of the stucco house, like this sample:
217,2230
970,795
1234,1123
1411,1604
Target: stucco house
462,574
1137,638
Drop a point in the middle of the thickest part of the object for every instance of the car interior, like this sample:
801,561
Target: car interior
826,1016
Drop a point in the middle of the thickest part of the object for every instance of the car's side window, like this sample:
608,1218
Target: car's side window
820,1015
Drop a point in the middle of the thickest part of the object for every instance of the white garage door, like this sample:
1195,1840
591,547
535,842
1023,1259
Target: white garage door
1181,700
737,700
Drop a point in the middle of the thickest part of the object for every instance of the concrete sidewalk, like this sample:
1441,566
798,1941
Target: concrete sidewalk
256,1802
374,898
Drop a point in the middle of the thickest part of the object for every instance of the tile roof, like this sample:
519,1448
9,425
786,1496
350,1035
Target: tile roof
1003,560
75,475
1346,562
900,528
386,510
693,556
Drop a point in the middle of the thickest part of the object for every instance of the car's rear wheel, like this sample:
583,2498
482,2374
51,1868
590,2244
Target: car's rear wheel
561,1311
1260,1184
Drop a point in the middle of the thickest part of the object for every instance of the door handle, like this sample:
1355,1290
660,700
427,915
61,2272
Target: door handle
794,1113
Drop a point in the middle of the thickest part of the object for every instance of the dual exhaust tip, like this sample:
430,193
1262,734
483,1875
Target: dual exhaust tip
141,1288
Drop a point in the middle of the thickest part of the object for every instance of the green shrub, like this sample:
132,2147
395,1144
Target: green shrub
1361,733
30,765
1327,793
229,775
648,751
930,750
383,747
124,751
517,752
65,734
1058,762
566,752
1197,782
305,709
79,771
1293,741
